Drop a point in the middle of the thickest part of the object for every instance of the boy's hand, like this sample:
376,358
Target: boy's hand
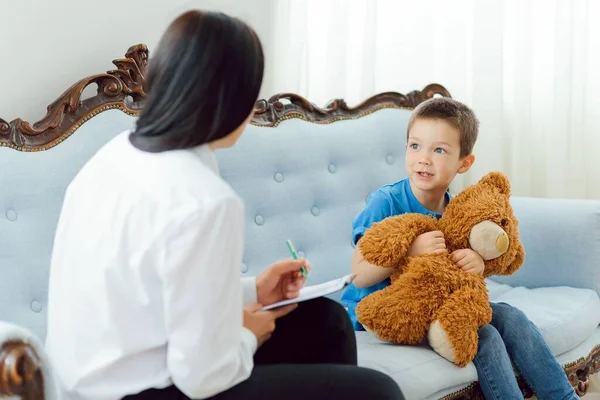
468,260
427,243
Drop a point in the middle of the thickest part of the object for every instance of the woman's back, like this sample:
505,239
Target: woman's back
107,312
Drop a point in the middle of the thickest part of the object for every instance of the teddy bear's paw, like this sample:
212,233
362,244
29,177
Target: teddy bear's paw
439,341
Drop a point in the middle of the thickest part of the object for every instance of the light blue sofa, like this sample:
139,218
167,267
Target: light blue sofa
304,173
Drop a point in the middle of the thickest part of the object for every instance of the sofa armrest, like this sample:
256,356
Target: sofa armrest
25,371
562,243
20,371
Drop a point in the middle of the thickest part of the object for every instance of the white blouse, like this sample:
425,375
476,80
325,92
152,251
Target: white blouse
145,290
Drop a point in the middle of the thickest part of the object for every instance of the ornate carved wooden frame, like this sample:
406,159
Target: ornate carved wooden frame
20,371
122,89
269,113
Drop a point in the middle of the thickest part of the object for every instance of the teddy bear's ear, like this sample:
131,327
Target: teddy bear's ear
498,180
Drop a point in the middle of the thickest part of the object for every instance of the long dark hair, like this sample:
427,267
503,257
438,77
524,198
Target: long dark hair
203,81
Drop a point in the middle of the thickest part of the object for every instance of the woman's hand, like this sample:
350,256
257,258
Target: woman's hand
281,281
262,323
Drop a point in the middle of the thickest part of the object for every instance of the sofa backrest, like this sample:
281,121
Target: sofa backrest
305,177
37,163
561,238
304,181
305,173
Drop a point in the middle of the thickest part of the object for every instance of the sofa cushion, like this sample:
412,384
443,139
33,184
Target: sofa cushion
418,370
565,316
590,346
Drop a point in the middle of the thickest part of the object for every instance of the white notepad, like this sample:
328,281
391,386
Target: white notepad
312,292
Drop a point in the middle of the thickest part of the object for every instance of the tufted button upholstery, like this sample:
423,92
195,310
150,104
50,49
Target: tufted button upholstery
314,155
11,215
33,187
244,268
278,177
36,306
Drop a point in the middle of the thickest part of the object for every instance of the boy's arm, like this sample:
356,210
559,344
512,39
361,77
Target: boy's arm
367,274
383,238
388,243
378,207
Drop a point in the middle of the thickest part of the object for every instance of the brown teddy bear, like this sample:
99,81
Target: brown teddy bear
429,295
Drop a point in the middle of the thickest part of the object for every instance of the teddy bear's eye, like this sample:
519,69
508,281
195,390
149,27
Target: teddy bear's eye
503,222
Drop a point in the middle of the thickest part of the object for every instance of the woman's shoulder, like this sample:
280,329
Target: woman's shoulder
174,178
197,187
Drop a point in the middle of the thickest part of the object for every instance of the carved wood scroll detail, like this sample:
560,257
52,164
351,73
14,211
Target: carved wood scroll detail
269,113
121,88
580,371
20,371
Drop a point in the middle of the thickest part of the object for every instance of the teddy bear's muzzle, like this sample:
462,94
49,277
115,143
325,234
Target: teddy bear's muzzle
489,240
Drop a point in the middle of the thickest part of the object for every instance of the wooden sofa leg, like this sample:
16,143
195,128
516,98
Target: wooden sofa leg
579,372
20,371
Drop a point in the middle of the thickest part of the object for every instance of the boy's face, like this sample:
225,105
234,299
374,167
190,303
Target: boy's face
433,155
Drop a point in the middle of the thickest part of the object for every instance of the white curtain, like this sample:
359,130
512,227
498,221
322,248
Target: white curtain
529,68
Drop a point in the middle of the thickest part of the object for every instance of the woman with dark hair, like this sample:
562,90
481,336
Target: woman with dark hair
145,297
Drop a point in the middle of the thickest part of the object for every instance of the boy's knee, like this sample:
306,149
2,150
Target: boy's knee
489,336
507,317
490,345
511,322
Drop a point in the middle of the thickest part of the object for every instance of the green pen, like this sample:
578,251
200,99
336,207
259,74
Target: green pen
292,250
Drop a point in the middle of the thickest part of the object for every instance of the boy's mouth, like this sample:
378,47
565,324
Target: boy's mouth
425,174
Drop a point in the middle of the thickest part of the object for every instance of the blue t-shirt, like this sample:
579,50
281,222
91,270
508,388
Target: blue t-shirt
390,200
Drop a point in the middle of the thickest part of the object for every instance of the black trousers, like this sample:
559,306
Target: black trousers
311,355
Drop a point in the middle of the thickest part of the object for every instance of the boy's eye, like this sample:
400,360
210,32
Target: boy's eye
440,150
413,146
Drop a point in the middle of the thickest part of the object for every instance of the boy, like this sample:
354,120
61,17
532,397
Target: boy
440,138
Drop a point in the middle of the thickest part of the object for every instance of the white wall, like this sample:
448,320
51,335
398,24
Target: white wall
47,45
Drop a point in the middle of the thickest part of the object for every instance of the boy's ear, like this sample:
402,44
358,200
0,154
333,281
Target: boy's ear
466,164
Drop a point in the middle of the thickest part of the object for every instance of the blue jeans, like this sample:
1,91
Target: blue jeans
511,336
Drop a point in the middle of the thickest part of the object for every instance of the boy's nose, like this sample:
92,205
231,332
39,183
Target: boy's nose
425,161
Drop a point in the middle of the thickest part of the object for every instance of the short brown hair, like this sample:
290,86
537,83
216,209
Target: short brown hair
455,113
